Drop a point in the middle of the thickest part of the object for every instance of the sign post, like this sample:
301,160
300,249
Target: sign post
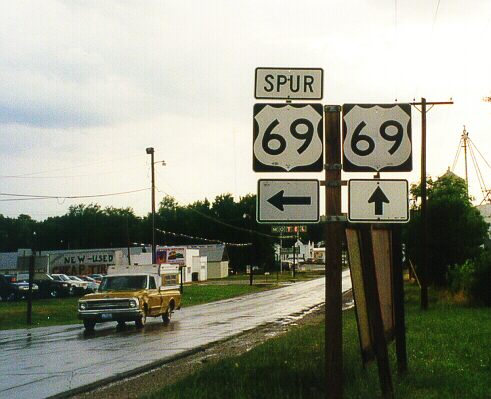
333,238
374,313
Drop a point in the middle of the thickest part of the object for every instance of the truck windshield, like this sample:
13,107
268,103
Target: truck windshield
122,283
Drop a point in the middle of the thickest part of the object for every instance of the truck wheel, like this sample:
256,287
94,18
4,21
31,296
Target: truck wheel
53,293
167,315
140,322
89,325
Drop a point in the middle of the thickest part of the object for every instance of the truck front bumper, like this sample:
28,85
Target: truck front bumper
100,315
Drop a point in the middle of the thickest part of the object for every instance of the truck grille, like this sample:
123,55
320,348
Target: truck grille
115,304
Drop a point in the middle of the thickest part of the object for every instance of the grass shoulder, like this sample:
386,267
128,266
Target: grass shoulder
448,353
62,311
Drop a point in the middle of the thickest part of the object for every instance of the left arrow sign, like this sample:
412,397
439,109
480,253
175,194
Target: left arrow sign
379,198
279,200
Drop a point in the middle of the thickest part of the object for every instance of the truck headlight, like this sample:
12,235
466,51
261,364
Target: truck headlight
133,303
82,305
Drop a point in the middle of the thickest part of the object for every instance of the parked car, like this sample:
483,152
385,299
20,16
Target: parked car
96,277
79,287
51,288
93,284
84,285
11,289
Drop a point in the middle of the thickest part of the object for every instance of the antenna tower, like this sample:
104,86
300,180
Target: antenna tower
471,149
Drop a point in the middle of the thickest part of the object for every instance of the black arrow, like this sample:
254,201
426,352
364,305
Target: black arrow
379,198
278,200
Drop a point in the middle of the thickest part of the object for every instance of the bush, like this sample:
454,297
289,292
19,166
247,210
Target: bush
473,277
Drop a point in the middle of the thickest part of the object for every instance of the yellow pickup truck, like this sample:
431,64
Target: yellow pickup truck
132,293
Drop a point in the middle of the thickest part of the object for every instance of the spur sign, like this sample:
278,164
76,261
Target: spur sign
289,83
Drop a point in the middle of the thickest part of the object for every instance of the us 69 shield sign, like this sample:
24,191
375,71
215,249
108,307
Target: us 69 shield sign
288,137
377,138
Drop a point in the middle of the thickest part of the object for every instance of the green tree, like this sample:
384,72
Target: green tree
456,229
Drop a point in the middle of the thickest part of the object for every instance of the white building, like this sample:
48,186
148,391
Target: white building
303,251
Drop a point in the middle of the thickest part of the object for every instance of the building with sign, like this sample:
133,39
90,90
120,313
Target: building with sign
200,262
302,252
75,261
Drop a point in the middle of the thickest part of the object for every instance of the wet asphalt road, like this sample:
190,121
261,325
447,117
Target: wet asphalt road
47,361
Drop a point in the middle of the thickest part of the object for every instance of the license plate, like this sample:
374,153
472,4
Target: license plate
107,316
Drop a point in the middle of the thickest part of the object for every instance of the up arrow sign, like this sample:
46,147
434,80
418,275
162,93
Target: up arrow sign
378,201
379,198
279,200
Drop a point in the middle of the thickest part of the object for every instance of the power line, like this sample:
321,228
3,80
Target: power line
250,231
62,176
434,17
77,166
233,244
36,196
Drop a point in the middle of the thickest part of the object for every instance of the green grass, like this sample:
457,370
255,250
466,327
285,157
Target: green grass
45,312
449,356
202,293
273,277
51,312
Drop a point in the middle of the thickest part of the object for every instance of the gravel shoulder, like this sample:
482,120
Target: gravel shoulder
173,371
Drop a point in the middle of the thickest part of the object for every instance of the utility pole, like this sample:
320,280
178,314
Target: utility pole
293,267
281,247
128,241
32,262
151,151
424,216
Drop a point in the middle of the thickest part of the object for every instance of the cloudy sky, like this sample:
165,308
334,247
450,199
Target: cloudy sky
86,86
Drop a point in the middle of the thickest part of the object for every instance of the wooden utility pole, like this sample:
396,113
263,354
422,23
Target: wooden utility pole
424,217
151,151
398,288
333,239
32,264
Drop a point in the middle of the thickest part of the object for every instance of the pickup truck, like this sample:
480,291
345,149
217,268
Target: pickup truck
132,293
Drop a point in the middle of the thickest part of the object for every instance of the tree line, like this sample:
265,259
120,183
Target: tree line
458,235
88,226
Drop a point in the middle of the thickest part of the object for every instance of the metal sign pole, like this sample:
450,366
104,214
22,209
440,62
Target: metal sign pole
333,238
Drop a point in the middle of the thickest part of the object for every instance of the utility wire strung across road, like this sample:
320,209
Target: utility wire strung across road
232,244
36,196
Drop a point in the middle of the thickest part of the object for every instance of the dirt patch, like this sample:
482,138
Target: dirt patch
153,380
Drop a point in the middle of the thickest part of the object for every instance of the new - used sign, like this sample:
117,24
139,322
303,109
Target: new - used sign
288,138
380,201
287,201
289,83
377,137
